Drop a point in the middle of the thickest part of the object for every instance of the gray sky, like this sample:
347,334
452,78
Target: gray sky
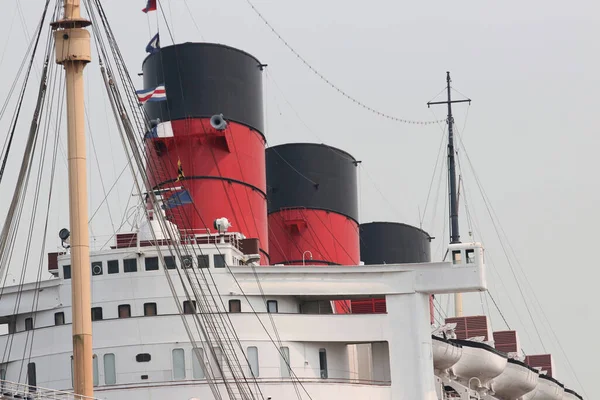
530,68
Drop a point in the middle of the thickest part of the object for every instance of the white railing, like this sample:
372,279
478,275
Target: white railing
200,236
14,390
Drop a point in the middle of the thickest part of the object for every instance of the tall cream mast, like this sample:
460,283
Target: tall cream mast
453,194
73,53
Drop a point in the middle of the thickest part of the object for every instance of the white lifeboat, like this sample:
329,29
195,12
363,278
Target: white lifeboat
546,389
571,395
478,362
445,354
515,381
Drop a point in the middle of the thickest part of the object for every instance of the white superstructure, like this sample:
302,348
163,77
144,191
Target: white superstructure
142,351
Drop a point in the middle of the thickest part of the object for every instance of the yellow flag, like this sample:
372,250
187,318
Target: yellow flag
180,175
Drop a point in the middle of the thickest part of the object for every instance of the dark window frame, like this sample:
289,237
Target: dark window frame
203,261
127,268
29,323
31,376
232,308
470,256
110,266
67,271
95,314
221,261
143,357
323,363
189,307
153,263
146,314
276,306
59,314
124,307
170,262
456,257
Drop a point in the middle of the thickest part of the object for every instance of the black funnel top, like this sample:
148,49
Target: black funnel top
204,79
393,243
314,176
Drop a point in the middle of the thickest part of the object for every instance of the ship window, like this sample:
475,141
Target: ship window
219,260
203,261
97,268
124,311
323,363
197,363
31,376
96,313
187,262
253,361
130,265
143,357
216,360
151,263
170,262
28,324
189,307
95,370
12,325
112,266
235,306
3,372
59,318
66,271
272,306
110,373
149,309
178,364
285,362
470,253
456,257
72,372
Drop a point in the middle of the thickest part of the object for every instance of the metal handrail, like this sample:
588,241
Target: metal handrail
15,390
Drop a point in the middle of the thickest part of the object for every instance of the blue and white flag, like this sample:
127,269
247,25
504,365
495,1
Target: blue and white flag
154,45
162,130
177,199
154,94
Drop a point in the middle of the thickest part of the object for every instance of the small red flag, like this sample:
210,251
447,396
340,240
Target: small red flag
150,6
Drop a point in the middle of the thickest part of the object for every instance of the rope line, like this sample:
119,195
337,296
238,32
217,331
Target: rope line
331,84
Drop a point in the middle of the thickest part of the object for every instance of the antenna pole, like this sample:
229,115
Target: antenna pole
454,231
72,43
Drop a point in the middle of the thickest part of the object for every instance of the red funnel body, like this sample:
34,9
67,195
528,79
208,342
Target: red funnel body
313,207
331,238
224,172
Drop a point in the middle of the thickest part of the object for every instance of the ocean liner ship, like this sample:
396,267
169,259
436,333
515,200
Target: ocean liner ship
250,276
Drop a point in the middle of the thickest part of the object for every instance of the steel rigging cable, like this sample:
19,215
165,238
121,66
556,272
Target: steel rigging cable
331,84
133,145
